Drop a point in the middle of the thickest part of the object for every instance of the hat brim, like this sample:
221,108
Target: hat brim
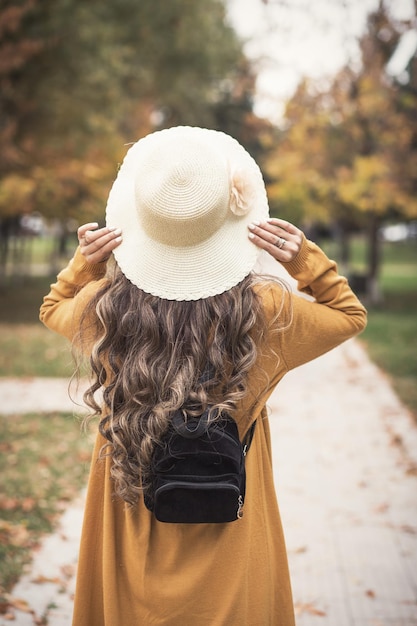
190,272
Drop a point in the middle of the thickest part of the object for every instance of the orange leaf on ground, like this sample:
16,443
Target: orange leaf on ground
40,580
309,608
19,604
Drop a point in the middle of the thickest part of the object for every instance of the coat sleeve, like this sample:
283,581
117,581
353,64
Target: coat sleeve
329,315
63,307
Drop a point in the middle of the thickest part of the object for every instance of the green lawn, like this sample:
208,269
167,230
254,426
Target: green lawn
20,299
44,463
27,348
391,334
390,339
33,350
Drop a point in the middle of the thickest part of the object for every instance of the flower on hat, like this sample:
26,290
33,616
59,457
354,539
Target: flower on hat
243,192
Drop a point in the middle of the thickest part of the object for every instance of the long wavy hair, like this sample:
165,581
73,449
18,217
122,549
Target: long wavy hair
149,359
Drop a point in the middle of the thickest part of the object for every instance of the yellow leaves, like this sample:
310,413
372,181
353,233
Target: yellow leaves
370,168
373,98
71,186
368,185
348,149
298,186
16,194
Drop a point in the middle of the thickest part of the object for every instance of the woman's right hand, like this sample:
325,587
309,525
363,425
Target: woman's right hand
97,244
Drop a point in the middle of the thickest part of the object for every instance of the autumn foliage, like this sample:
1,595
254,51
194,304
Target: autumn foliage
347,155
79,81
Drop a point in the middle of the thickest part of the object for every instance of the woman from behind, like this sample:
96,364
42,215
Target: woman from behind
165,303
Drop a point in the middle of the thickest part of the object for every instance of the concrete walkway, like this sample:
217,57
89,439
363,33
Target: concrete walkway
345,461
345,457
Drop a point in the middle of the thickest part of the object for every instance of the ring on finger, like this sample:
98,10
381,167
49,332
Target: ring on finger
280,243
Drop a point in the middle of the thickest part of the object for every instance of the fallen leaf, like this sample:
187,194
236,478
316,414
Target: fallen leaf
28,504
411,470
396,440
40,580
309,608
381,508
4,605
20,604
14,534
8,504
68,570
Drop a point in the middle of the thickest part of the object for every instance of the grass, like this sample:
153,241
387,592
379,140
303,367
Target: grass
27,348
391,334
20,300
390,339
32,350
44,463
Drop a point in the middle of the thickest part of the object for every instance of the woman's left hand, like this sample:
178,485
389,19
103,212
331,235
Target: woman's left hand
97,244
279,238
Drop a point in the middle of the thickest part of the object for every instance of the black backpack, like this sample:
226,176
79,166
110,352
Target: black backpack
198,472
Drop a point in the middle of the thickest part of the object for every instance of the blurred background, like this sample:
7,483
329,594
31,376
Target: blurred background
323,95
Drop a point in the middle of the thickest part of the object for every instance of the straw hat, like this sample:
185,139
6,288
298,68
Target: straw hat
183,198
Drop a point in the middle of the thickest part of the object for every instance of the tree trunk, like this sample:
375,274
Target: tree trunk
374,260
9,231
342,236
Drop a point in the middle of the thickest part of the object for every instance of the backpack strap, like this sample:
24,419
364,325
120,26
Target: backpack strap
194,428
199,425
247,439
190,429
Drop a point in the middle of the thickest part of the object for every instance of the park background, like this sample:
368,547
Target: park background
80,81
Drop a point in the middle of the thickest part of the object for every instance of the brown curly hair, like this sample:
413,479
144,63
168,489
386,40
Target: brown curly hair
148,361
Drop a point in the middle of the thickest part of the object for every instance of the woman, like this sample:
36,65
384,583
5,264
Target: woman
164,290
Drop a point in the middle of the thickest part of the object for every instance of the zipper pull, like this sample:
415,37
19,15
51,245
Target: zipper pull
239,513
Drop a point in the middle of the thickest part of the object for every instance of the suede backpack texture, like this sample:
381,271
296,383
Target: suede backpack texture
198,471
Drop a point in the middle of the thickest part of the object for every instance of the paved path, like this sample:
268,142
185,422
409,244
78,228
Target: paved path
345,459
39,395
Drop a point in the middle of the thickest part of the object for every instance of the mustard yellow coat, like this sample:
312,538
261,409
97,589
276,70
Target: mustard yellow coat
136,571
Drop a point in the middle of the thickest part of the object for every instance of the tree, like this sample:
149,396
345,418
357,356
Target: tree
348,155
80,80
